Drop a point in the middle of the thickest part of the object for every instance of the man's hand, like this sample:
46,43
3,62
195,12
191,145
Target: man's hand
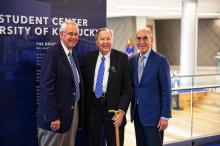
163,124
118,118
55,125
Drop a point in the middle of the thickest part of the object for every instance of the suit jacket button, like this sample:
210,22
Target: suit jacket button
74,93
72,107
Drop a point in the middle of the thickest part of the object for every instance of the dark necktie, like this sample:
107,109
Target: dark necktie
99,81
140,67
75,75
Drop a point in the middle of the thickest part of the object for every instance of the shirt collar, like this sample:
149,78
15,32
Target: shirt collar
106,55
146,54
67,51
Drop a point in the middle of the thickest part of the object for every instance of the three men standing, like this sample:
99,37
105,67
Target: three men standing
108,86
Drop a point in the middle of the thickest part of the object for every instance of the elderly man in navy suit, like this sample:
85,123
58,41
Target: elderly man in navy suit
61,91
151,102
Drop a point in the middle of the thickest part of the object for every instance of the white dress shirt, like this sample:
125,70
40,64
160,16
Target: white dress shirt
106,72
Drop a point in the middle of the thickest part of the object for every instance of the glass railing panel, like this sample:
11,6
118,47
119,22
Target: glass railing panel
195,109
206,112
201,80
179,125
195,80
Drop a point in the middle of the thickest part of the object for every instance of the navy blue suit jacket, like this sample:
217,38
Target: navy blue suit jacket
154,90
57,90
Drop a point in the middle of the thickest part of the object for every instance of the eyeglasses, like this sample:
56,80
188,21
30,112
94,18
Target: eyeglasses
71,33
144,38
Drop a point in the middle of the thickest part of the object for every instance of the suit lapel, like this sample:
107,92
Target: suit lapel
112,65
148,65
93,66
65,61
136,69
76,61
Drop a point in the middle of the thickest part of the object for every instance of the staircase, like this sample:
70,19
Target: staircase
205,100
210,102
185,98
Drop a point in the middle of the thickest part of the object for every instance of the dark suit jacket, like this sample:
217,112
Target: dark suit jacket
154,90
57,90
119,88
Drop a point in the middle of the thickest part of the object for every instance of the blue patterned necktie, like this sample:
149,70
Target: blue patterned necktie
75,75
99,81
140,67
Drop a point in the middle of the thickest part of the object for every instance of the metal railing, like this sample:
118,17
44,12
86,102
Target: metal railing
193,81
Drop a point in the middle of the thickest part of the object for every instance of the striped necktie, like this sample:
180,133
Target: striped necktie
75,76
140,67
99,81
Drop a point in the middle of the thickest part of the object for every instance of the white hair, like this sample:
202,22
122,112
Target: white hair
103,29
64,24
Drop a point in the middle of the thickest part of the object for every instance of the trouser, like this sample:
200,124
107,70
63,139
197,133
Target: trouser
146,135
50,138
